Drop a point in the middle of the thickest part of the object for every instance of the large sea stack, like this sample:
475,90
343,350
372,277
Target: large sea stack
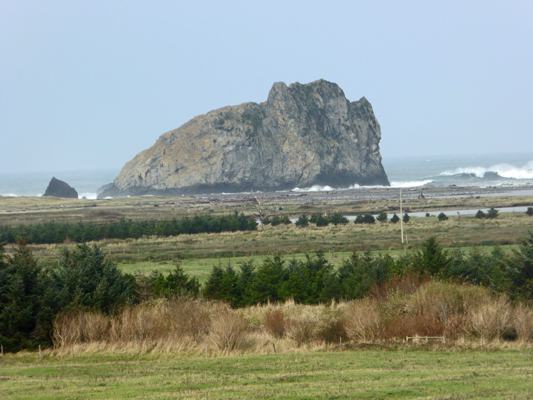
303,135
57,188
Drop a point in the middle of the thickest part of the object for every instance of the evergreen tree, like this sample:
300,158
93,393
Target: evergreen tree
338,219
406,218
176,284
394,218
480,214
382,217
432,258
521,269
26,306
492,213
276,220
87,280
267,282
303,221
442,217
286,220
368,219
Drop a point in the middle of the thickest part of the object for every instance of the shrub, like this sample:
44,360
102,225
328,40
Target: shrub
442,217
363,320
523,322
286,220
428,215
365,219
394,218
338,219
332,329
382,217
480,214
301,330
406,218
276,220
303,221
491,319
492,213
227,331
530,211
275,323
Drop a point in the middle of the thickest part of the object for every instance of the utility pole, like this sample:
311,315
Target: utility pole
401,214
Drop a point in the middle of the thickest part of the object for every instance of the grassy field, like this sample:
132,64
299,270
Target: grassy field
387,373
198,253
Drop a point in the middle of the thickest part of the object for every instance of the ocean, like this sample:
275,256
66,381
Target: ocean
461,170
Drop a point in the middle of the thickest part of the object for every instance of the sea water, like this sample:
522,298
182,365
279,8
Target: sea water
86,182
461,170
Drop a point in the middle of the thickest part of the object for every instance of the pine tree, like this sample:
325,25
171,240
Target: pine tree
382,217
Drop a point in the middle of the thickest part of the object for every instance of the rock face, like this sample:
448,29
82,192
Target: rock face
57,188
303,135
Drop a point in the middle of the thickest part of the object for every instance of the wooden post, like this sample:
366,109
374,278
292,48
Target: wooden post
401,216
40,354
2,346
206,351
274,346
72,350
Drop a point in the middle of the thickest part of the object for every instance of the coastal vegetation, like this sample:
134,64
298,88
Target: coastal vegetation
34,300
290,304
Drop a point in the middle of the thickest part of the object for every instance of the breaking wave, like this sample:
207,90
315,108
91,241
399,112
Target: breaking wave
314,188
499,170
400,184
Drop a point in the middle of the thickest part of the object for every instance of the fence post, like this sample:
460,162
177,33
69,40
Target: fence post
2,346
40,354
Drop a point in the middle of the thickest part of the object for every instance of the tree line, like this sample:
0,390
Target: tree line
59,232
315,280
31,297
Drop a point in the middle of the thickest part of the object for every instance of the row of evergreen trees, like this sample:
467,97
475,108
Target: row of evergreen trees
314,280
56,232
31,297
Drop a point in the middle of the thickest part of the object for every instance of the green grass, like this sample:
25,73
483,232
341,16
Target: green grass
334,375
201,267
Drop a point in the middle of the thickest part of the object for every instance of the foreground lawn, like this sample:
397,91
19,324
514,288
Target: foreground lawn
350,374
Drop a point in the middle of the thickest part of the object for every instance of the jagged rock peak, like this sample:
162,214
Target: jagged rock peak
57,188
304,134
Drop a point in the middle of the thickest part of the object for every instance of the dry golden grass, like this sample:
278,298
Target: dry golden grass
462,313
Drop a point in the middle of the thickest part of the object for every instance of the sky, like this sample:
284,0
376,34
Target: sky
90,84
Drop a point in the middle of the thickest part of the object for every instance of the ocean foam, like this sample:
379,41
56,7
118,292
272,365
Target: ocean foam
88,196
314,188
503,170
406,184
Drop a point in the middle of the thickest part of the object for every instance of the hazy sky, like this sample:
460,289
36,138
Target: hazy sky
89,84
